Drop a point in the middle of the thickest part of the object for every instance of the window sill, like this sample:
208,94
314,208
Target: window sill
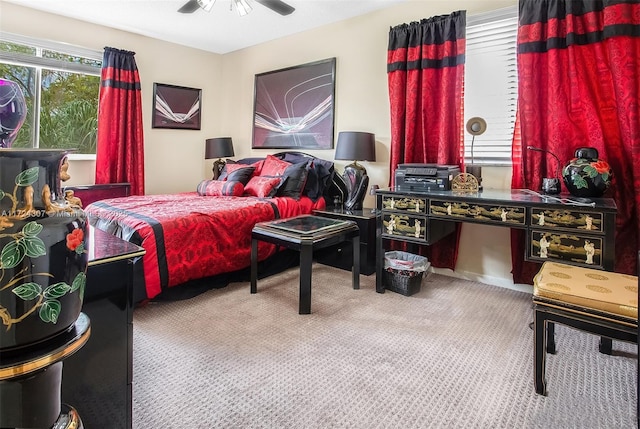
81,157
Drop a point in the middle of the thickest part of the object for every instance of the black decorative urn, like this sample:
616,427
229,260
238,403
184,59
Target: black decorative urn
586,175
43,261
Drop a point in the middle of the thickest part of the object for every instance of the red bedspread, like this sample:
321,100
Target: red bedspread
188,236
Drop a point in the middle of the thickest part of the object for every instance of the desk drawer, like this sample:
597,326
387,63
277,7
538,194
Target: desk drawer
568,220
405,204
481,213
404,225
583,249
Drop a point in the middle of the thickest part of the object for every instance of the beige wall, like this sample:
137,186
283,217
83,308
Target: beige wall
360,48
174,158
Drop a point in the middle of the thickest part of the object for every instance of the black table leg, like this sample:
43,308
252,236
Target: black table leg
379,248
355,280
254,265
306,259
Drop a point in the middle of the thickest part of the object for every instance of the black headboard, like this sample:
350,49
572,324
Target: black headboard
335,184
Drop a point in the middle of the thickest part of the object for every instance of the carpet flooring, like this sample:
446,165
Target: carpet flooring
458,354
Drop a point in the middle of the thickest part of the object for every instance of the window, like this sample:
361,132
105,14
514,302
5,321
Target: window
491,85
61,85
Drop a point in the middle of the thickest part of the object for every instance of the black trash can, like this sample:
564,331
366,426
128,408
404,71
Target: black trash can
403,272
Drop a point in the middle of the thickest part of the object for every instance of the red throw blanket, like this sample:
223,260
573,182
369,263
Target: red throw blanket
187,236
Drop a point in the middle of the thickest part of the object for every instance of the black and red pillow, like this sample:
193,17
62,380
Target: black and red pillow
217,188
237,172
258,167
296,175
273,166
318,173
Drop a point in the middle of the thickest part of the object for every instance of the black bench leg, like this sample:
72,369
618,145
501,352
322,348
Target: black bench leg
551,338
539,340
606,345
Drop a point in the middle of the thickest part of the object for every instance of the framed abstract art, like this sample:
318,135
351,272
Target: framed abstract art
294,107
176,107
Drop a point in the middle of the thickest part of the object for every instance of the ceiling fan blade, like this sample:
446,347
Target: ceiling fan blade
189,7
277,6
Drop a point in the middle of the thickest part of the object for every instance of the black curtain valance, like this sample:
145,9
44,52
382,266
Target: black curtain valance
553,24
428,43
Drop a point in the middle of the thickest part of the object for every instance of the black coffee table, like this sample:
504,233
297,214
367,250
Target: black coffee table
305,234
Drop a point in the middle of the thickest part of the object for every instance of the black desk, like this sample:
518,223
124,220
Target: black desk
567,229
305,234
97,380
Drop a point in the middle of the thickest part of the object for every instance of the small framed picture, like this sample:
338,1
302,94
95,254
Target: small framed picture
176,107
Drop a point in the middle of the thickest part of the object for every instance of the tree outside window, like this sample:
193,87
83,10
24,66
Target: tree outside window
61,91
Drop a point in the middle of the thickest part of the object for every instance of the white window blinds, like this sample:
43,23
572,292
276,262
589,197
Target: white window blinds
491,85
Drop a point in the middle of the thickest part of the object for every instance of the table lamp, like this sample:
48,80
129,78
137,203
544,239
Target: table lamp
218,147
550,185
475,126
356,146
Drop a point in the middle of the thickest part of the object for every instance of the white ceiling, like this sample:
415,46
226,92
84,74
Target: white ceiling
220,31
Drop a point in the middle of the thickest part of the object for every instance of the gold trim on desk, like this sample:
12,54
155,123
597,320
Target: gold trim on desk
46,360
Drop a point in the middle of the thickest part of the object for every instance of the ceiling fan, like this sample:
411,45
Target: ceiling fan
242,6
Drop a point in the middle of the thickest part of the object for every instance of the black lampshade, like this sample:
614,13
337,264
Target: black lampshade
218,147
356,146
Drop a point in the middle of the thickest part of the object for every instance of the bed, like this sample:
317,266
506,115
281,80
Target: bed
207,233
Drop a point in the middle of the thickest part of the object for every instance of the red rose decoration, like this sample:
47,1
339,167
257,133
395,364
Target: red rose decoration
75,239
601,166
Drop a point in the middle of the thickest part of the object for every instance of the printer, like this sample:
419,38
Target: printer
425,177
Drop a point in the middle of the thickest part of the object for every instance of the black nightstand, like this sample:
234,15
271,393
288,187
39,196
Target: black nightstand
341,255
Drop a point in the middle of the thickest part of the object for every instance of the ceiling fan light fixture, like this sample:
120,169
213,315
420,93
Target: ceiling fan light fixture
206,4
242,6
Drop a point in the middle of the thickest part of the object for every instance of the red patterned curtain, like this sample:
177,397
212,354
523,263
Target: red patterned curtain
579,85
120,152
425,66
